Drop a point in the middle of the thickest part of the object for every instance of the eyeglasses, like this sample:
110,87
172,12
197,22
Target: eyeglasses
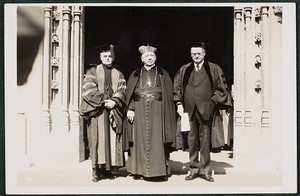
197,53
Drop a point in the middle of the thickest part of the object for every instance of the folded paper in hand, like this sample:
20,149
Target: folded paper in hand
185,123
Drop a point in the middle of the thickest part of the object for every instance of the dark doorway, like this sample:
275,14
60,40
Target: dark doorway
167,28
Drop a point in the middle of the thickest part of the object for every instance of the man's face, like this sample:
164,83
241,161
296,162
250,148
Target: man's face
148,58
106,58
197,54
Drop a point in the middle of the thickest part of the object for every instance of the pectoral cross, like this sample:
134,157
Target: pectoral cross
149,82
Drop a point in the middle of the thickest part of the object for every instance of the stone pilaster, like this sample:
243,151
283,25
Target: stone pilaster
238,91
65,66
265,69
46,118
75,80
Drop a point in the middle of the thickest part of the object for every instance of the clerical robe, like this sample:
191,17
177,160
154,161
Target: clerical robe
152,134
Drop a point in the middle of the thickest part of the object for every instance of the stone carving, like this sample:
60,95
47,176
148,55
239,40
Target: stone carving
54,84
56,15
238,14
265,121
238,118
278,12
257,86
55,38
257,61
247,12
257,13
258,36
248,119
55,61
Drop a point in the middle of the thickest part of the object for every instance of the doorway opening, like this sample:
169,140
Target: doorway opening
169,29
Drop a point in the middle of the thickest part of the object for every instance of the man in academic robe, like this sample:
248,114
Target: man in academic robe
151,121
199,88
103,107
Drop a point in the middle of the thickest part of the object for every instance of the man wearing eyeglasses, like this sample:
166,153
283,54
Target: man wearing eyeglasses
199,87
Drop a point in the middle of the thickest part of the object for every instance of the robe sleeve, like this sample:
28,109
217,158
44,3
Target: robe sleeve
222,96
91,96
129,92
128,127
90,92
117,113
178,86
119,95
170,125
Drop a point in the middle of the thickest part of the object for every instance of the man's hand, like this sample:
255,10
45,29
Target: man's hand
108,103
180,109
130,115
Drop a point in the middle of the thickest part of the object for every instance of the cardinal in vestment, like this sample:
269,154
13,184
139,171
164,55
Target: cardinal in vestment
151,121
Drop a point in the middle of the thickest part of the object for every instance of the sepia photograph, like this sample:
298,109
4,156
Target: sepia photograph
150,98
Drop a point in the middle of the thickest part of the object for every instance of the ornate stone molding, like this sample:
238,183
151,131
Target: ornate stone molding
265,10
238,118
55,61
257,14
238,14
265,119
55,38
257,84
248,119
257,61
248,12
56,15
278,12
66,11
258,37
54,84
77,13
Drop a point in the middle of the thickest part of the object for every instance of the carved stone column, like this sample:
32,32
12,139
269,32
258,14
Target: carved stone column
238,77
46,118
266,66
46,122
65,66
75,82
238,67
257,75
247,66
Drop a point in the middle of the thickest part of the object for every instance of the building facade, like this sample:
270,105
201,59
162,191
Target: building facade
257,85
51,129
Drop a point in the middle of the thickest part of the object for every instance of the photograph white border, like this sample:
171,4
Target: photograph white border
289,106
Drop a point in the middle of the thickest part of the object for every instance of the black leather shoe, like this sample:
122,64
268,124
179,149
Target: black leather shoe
206,177
95,179
137,177
95,175
165,178
156,179
191,177
108,175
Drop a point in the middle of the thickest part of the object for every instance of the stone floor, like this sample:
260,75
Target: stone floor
77,179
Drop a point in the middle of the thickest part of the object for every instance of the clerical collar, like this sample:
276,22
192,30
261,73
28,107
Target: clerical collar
148,68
